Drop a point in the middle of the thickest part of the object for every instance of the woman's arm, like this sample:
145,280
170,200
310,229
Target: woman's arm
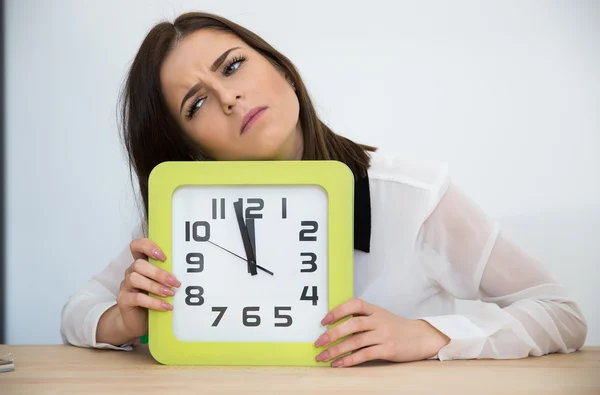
527,312
82,313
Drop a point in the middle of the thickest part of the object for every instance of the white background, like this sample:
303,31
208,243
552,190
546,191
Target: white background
507,92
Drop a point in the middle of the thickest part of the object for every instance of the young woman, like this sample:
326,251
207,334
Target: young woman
204,88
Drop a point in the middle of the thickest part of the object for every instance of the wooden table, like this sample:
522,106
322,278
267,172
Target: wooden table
70,370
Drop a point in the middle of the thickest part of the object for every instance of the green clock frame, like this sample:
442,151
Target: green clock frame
338,182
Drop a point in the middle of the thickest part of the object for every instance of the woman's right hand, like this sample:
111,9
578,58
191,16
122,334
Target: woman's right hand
141,278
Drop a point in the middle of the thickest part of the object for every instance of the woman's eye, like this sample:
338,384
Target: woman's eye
233,67
194,107
198,103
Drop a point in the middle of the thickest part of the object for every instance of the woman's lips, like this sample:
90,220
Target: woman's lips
251,117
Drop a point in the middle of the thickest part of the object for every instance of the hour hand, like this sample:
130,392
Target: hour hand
245,238
251,236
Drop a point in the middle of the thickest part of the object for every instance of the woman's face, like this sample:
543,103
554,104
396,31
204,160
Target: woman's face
231,100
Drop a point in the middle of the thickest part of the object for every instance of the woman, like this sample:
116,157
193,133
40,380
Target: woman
205,88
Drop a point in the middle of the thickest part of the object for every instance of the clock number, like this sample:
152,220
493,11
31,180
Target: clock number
251,319
284,208
312,261
303,233
216,210
288,318
194,230
194,298
195,258
259,205
221,311
312,297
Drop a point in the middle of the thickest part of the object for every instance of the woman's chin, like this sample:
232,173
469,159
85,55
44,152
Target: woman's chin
271,144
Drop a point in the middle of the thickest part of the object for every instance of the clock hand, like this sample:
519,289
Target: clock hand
251,235
245,238
251,238
233,253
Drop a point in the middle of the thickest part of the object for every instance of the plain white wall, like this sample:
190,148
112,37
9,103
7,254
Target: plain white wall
507,92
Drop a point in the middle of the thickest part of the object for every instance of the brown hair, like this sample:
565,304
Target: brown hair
151,135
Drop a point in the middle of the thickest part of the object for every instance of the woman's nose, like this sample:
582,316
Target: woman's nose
228,105
228,97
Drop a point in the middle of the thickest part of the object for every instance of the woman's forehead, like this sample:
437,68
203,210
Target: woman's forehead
196,52
205,46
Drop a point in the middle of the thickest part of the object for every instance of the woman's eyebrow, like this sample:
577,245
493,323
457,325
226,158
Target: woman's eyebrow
221,59
190,93
218,62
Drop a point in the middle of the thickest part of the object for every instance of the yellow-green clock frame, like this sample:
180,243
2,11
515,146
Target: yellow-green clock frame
333,176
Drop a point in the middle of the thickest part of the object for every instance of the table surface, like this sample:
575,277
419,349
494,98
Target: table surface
61,369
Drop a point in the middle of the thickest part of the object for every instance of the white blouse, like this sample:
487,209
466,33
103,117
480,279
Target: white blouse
430,245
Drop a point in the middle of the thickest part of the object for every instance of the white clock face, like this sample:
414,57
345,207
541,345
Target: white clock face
219,299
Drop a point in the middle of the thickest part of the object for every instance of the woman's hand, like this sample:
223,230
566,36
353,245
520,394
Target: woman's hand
140,278
376,334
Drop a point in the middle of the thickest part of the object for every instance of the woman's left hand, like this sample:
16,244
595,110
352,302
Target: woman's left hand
376,334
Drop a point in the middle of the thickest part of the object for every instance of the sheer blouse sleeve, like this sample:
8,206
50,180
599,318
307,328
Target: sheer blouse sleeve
525,311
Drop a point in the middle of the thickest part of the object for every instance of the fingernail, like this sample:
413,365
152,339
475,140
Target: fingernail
173,281
327,320
337,363
167,306
324,356
168,291
158,254
322,340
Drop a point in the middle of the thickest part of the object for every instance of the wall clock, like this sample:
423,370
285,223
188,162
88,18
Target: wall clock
263,249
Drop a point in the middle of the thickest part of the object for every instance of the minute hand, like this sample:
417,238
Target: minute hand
245,238
233,253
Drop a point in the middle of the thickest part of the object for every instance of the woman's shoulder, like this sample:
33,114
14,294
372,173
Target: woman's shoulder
416,184
410,171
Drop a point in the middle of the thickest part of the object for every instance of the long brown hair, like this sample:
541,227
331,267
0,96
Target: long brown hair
152,136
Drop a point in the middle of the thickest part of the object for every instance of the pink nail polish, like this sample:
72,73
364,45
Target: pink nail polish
322,340
324,356
337,363
168,291
327,320
167,306
171,280
159,255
